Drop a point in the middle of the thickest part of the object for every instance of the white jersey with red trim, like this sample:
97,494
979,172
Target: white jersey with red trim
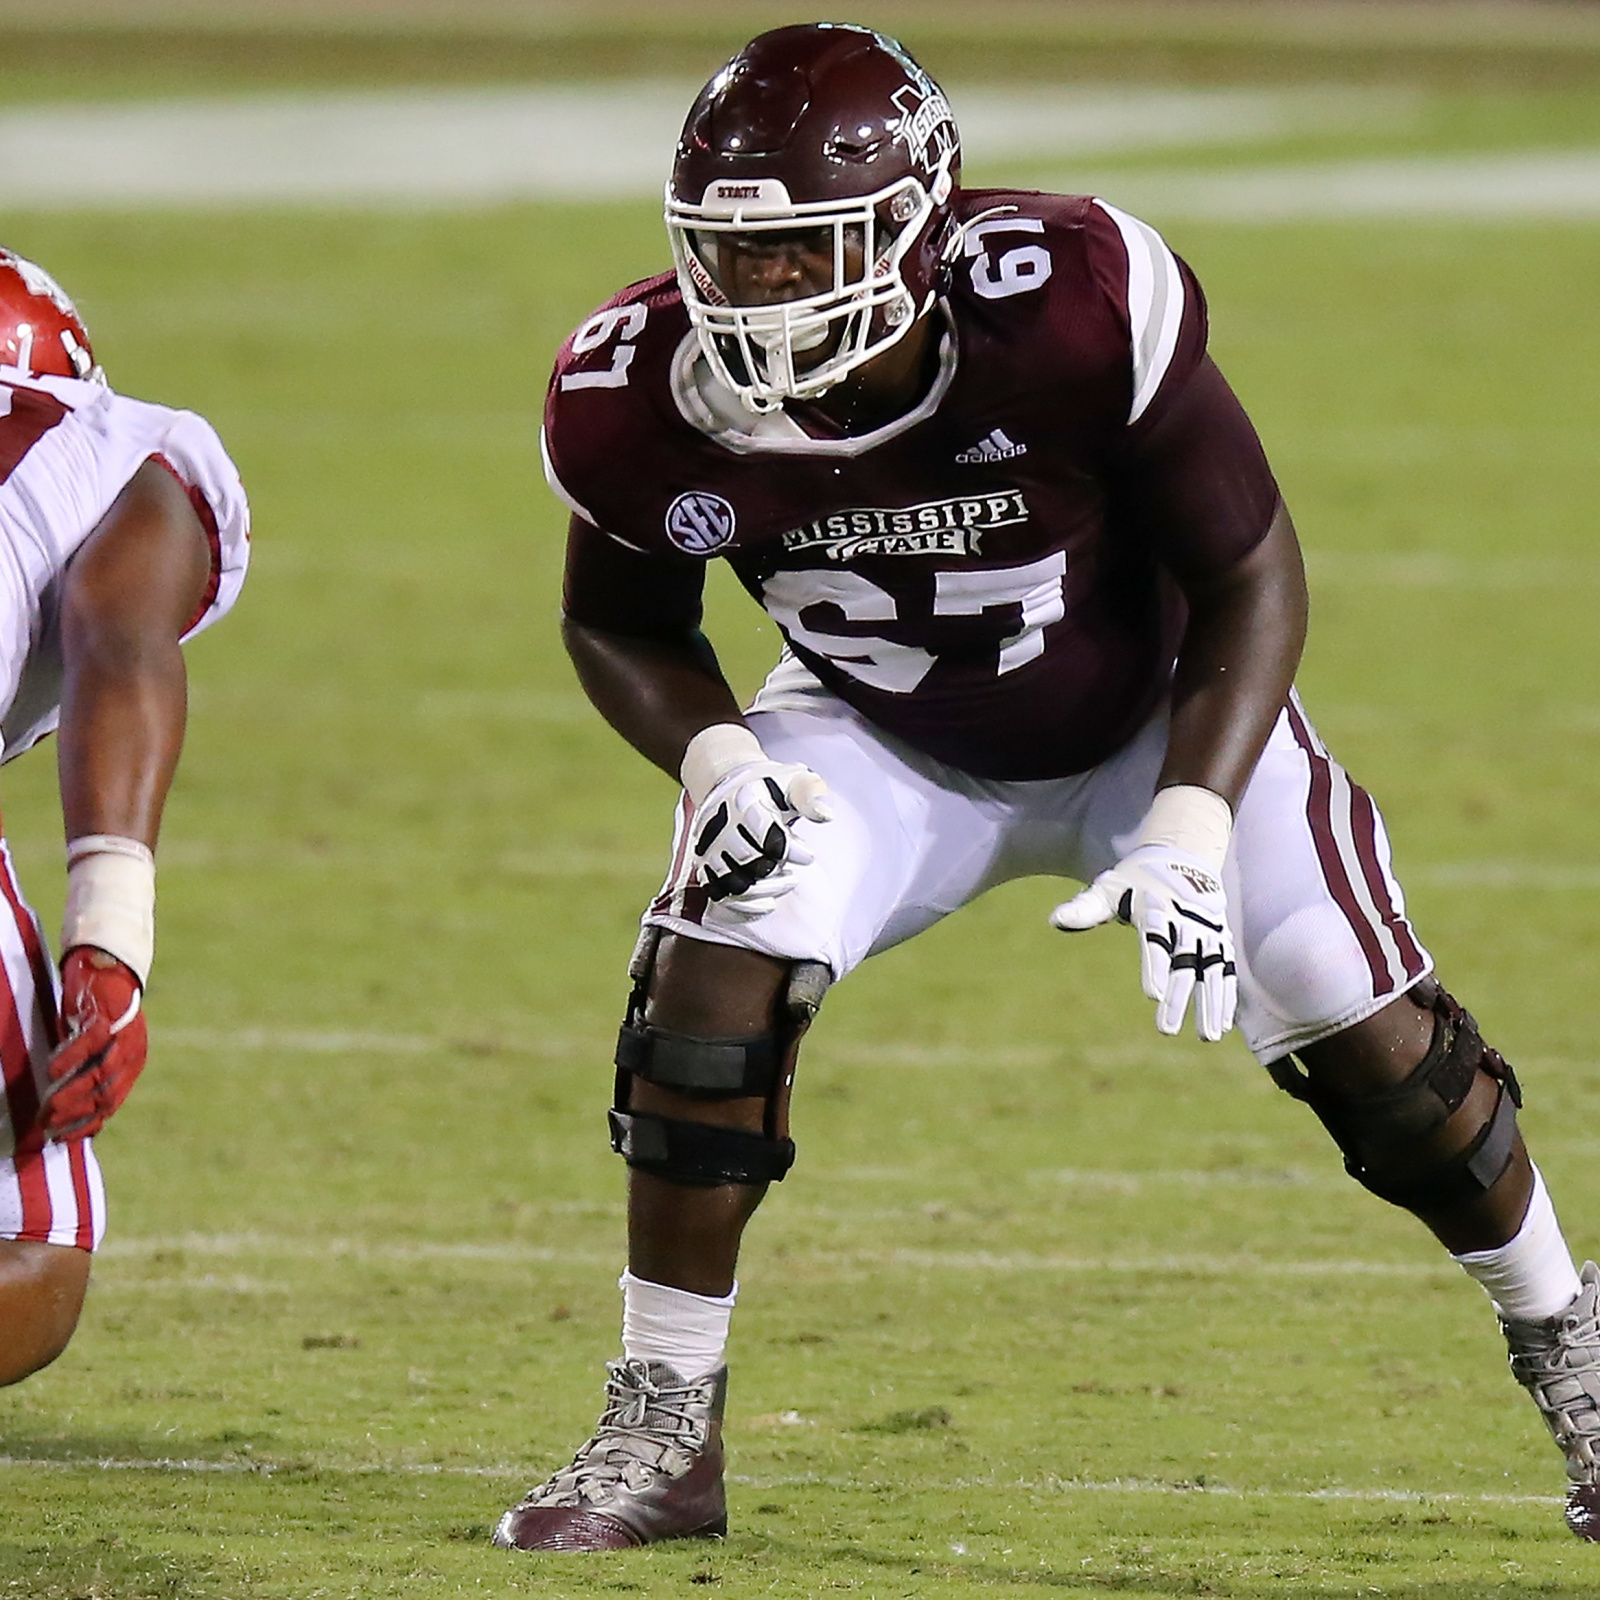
67,449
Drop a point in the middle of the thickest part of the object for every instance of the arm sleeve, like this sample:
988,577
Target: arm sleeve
609,585
1196,480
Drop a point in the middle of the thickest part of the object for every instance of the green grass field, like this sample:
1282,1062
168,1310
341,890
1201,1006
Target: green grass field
1048,1302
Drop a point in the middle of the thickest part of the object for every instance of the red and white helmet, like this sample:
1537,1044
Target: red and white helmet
40,329
822,126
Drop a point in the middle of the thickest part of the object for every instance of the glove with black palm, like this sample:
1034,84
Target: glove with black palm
1169,888
741,828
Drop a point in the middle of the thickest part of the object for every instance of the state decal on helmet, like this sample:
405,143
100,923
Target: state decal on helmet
40,329
832,132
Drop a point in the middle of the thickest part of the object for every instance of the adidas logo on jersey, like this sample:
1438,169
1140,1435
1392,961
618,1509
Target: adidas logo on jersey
995,448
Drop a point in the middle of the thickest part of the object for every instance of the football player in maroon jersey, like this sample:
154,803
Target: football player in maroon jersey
1042,606
123,531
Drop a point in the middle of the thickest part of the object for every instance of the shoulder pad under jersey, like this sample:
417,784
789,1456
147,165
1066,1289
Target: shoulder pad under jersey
1100,289
609,410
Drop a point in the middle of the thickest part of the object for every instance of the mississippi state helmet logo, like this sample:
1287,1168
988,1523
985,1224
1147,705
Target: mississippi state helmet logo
926,127
700,523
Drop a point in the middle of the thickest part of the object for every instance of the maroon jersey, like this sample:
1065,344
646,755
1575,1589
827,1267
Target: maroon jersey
989,577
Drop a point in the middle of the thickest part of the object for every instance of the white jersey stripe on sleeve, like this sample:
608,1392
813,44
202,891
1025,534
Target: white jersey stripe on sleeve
551,477
1155,304
572,505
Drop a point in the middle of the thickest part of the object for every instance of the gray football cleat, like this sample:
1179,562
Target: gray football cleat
652,1470
1558,1362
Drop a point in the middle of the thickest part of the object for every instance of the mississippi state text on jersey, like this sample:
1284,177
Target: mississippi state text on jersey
989,577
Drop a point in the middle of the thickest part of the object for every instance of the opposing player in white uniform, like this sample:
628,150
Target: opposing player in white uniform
1042,606
123,531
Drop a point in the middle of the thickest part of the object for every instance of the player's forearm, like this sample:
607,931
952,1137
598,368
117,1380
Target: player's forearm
123,711
1237,663
656,692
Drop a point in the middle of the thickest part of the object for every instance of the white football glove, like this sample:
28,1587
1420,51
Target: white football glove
1174,899
741,830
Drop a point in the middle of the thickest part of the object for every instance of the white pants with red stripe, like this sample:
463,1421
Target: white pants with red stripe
49,1193
1318,918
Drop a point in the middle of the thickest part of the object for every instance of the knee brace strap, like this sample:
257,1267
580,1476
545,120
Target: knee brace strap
1461,1177
1376,1132
697,1153
702,1069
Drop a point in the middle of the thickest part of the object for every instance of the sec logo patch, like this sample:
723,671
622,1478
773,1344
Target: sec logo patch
699,523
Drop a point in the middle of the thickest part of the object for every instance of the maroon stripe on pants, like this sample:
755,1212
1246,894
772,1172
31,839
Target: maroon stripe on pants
694,899
1319,813
1365,828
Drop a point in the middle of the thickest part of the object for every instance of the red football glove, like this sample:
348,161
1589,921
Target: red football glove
103,1048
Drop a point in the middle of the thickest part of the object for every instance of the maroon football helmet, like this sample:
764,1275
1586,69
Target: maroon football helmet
832,133
40,329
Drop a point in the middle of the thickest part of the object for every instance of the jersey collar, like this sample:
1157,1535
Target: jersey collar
712,408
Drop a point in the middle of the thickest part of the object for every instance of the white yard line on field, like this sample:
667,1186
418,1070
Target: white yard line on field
1153,1266
1157,1487
1021,1056
1445,569
267,1247
575,142
581,143
295,1041
1132,1183
299,1041
1054,1486
1526,186
1476,875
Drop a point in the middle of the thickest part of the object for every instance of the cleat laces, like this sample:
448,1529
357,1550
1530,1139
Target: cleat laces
1558,1362
653,1426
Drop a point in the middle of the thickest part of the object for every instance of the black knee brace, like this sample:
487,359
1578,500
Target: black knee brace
1384,1134
700,1153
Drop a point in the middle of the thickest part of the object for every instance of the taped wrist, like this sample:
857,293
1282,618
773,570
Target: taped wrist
1186,817
111,899
713,753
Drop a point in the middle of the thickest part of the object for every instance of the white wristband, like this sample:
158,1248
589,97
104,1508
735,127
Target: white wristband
713,753
1188,818
111,899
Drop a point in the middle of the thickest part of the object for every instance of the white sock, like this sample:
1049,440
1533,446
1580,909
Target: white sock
1533,1277
687,1331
